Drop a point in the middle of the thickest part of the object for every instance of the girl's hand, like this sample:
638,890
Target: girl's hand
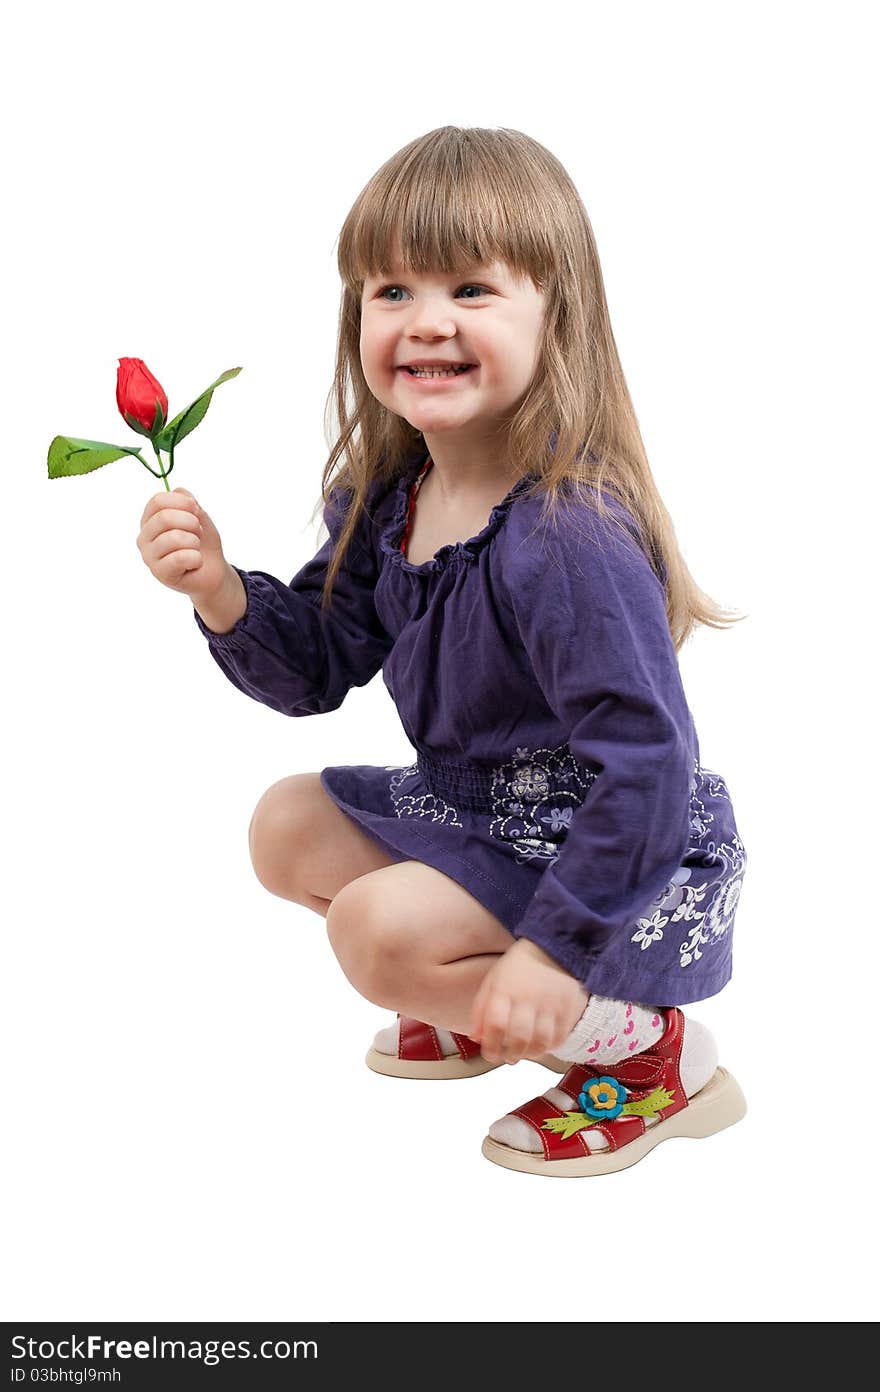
181,546
527,1005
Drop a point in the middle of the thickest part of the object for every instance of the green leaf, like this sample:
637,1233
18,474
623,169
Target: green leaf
68,456
157,419
177,429
648,1106
567,1125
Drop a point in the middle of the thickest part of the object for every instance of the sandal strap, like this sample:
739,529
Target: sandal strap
536,1113
617,1133
640,1074
420,1042
468,1048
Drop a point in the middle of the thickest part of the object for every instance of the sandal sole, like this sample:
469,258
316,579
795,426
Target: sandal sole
452,1067
716,1106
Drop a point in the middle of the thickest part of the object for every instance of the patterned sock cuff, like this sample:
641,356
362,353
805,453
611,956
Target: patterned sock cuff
599,1021
610,1030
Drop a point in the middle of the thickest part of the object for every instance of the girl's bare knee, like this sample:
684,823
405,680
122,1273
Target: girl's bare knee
297,832
275,835
368,943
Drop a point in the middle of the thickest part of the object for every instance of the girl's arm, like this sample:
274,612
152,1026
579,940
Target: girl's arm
592,617
280,650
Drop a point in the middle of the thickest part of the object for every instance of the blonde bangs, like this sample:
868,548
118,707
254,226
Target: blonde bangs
439,205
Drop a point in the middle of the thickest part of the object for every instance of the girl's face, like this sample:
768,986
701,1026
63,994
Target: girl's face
486,317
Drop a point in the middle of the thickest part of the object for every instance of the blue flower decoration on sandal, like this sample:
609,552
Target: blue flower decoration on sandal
603,1098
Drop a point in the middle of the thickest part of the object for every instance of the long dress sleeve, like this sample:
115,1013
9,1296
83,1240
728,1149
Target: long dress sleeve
283,652
591,615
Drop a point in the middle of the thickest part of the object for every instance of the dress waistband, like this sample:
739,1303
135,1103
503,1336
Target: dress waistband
548,778
466,785
516,787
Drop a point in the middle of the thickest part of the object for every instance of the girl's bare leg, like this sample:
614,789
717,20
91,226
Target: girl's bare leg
303,848
413,940
407,936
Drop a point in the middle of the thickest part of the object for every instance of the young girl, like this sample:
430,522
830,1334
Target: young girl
556,873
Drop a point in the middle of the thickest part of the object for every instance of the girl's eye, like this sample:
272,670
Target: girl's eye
386,288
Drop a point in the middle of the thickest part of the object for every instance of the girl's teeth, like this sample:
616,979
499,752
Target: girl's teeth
435,372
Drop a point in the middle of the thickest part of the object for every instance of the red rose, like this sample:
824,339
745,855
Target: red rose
137,396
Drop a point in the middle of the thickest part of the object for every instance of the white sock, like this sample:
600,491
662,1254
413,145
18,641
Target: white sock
610,1030
699,1059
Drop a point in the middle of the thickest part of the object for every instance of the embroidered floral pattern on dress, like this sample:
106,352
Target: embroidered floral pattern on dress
650,929
713,923
413,804
534,798
712,880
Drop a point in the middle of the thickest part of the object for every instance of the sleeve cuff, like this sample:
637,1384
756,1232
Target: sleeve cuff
234,638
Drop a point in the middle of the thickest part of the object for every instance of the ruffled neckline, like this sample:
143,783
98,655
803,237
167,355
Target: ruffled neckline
453,551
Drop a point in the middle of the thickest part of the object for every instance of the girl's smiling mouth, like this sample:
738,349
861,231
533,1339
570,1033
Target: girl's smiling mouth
434,377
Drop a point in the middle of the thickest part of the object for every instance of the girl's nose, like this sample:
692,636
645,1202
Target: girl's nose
431,318
432,326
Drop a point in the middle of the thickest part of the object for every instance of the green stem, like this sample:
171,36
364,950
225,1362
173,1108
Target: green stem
170,465
146,465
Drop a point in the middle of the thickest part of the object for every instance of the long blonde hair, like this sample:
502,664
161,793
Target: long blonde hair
462,194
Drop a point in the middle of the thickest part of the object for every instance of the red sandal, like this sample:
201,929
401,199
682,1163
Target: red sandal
419,1055
617,1101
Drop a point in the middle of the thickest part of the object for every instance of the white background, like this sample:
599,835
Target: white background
191,1132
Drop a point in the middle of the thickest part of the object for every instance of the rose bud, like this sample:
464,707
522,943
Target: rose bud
138,395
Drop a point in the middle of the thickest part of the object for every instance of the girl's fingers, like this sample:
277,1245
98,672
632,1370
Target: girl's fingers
475,1029
547,1033
174,517
176,541
518,1035
494,1027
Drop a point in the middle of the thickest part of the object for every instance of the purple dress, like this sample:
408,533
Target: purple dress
557,772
